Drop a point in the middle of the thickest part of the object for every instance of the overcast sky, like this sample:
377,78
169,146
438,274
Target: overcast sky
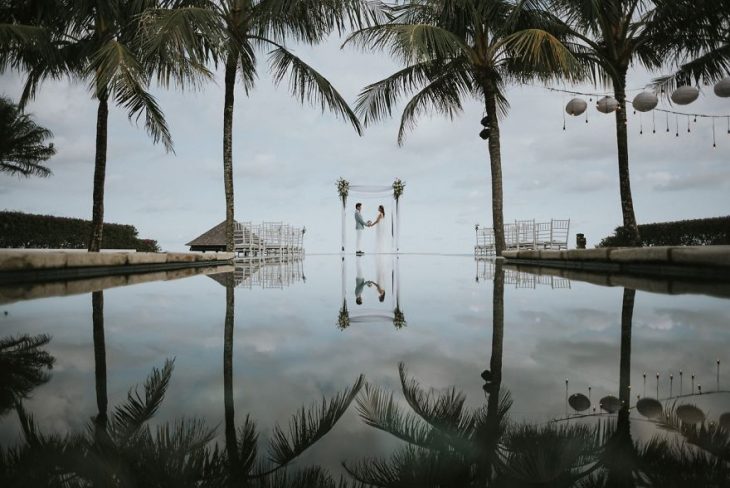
287,158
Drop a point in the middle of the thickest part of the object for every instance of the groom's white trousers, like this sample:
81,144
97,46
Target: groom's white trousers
358,246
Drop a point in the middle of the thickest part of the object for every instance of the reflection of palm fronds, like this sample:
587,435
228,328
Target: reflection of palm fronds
708,436
399,319
22,367
128,452
343,321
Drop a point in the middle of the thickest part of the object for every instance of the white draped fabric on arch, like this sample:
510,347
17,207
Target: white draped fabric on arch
388,232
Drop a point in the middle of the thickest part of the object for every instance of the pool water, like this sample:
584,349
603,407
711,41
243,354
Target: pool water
301,331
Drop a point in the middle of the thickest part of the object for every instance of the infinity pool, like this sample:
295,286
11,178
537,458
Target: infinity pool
302,331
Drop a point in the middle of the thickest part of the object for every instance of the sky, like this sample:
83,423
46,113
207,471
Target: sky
288,156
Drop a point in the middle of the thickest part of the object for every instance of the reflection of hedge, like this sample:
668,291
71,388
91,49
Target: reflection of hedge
699,232
23,230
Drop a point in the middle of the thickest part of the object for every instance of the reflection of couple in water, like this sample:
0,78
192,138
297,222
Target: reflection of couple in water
360,285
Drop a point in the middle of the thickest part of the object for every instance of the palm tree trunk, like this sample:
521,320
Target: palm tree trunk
230,81
97,219
97,306
230,422
620,455
627,203
491,436
495,157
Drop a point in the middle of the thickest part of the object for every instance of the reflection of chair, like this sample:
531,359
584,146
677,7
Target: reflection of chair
485,242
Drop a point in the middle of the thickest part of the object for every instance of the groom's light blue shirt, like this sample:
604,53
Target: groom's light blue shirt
359,222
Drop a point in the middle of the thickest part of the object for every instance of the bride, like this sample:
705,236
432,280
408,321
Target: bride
380,231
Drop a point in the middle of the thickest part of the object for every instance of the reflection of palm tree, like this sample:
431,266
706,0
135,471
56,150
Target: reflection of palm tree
305,428
22,367
97,304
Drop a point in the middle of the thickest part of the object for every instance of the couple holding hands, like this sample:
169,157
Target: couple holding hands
360,225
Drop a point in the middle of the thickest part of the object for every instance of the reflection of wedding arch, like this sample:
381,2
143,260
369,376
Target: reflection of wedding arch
393,191
396,317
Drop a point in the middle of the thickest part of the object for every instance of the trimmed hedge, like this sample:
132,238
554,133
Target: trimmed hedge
699,232
22,230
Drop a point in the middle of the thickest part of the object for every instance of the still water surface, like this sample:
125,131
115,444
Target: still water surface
298,333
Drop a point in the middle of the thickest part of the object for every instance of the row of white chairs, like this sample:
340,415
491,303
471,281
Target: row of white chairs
520,279
268,240
273,273
525,234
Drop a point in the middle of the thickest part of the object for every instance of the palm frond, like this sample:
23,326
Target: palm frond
22,150
306,84
539,54
708,68
247,446
129,417
23,365
410,43
444,411
309,425
177,43
378,409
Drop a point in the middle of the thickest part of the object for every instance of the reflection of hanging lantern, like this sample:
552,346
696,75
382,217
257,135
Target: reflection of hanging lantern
722,88
610,404
684,95
645,102
689,414
576,106
579,402
607,105
725,421
649,408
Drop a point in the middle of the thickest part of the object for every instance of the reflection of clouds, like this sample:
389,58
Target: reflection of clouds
288,351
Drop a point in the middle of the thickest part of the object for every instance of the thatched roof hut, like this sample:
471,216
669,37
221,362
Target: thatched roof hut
213,239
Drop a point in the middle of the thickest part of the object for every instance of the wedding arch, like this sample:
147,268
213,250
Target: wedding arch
393,191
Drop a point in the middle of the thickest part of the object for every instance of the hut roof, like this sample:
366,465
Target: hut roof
215,236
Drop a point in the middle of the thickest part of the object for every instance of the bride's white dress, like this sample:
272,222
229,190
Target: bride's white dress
381,236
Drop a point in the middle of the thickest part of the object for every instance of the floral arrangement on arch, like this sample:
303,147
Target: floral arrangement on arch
399,319
398,187
343,321
343,188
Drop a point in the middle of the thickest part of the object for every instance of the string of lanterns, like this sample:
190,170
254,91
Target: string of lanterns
647,101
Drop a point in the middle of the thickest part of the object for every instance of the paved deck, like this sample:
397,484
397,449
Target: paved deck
690,262
19,266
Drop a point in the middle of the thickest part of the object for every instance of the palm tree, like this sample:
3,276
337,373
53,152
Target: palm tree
616,34
111,46
455,49
22,142
246,27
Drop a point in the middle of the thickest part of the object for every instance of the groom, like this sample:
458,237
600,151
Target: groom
359,226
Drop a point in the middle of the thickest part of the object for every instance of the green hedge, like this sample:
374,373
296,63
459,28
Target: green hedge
21,230
698,232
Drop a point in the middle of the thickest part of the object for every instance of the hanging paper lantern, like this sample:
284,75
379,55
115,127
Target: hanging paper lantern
684,95
649,408
610,404
645,102
576,106
722,88
690,414
579,402
607,105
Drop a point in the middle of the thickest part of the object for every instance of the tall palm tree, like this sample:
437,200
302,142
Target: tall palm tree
23,144
616,34
111,46
246,27
454,49
97,318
